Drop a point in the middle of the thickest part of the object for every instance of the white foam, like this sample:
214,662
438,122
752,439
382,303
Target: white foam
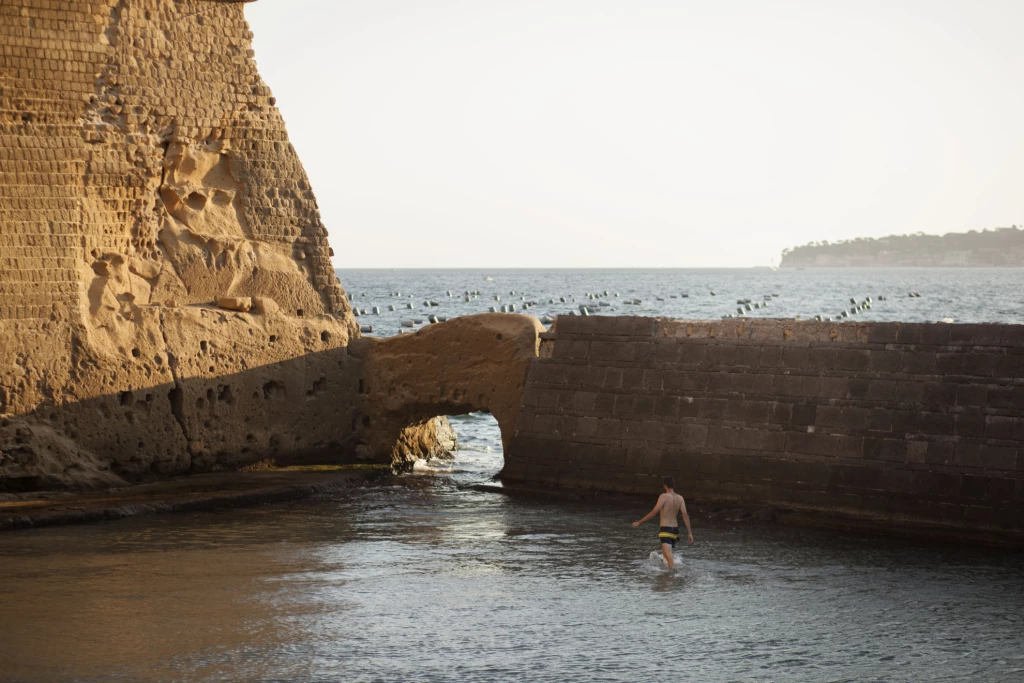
657,561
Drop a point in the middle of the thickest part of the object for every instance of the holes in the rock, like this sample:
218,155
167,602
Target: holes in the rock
299,312
318,386
226,395
273,339
177,399
149,398
203,346
200,402
127,399
255,395
221,198
275,441
250,438
325,336
366,420
362,387
159,360
136,353
141,445
195,201
209,395
274,390
498,336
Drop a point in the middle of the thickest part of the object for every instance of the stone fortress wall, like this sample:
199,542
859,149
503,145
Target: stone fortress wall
919,424
144,173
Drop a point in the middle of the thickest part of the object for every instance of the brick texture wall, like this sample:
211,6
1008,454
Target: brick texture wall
920,423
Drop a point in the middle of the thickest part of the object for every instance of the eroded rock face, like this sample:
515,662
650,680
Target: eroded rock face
468,364
145,176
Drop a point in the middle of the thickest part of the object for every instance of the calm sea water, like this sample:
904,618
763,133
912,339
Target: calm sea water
424,578
960,295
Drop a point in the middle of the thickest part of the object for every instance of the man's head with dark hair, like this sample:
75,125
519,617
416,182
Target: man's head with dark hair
670,482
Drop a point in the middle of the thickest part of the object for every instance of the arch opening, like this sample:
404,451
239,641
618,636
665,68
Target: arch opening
470,448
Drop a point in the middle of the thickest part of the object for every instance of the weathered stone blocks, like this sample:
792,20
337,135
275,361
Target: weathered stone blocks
915,423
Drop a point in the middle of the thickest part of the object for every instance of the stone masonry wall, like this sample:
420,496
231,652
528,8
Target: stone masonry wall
914,423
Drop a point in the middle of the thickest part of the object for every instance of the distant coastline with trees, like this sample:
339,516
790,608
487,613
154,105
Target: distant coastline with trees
996,248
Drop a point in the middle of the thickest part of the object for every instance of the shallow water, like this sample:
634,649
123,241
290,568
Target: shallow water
423,579
950,294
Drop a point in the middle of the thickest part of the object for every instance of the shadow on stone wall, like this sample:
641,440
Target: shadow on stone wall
303,410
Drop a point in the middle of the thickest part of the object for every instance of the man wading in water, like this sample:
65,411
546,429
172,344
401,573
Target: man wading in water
669,504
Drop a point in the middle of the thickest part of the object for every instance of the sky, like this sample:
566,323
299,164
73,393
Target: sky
645,133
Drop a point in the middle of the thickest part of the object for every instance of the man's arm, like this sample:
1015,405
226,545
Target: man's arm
650,514
686,520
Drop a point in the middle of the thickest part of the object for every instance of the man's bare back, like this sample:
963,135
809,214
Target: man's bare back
671,504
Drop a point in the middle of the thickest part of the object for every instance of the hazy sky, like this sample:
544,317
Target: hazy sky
493,133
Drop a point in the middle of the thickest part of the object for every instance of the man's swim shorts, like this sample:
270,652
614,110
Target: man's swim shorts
669,534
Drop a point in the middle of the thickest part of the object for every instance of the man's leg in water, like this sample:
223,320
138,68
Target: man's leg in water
666,550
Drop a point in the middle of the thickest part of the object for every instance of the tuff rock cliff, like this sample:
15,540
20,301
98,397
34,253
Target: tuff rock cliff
167,301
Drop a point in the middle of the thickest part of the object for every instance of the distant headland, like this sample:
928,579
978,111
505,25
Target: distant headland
1001,247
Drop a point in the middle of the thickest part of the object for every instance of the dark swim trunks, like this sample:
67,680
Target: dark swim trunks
669,534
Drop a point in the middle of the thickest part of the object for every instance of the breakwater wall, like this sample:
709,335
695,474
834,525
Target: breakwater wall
914,423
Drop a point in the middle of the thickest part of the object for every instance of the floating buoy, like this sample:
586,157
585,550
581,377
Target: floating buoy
391,307
584,311
431,319
740,310
408,323
376,310
492,309
685,296
511,308
562,299
410,305
366,329
713,293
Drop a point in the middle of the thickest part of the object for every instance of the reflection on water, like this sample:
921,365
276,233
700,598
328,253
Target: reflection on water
423,579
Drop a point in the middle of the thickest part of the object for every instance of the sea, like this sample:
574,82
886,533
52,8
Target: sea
428,577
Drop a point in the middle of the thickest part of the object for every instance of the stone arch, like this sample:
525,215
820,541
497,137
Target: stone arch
468,364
